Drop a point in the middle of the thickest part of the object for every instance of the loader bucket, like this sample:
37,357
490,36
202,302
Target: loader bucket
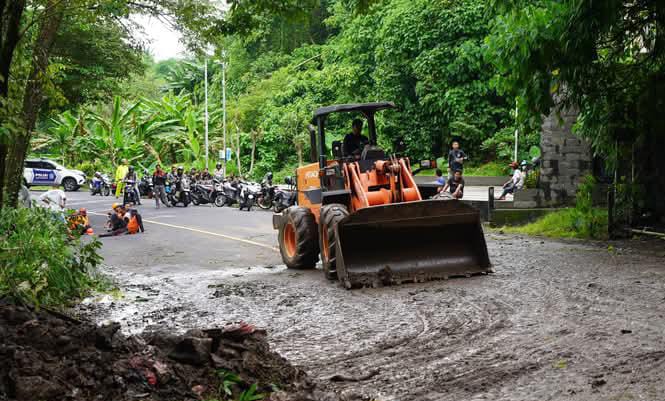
410,242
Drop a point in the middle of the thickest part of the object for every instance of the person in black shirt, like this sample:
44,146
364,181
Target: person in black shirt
355,142
456,158
456,185
159,186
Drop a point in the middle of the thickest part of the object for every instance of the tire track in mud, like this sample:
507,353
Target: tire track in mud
547,325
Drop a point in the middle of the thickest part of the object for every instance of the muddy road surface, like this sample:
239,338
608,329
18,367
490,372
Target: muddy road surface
557,321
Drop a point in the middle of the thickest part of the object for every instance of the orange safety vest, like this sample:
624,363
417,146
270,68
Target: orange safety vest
133,225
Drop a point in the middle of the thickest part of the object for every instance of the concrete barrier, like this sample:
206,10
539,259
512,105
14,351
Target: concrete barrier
470,180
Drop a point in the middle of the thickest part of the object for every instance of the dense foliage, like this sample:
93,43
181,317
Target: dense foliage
42,262
426,56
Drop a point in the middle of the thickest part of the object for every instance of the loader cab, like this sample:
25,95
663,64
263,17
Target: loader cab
331,169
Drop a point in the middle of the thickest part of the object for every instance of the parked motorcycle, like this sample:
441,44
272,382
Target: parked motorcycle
145,185
229,194
129,193
284,198
182,195
248,195
266,197
100,184
203,193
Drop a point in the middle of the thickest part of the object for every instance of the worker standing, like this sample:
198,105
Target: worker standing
120,174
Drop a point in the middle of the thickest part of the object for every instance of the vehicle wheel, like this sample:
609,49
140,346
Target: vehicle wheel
298,239
330,216
107,191
264,202
220,200
69,184
278,208
195,201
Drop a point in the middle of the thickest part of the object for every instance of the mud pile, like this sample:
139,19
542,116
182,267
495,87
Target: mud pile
46,356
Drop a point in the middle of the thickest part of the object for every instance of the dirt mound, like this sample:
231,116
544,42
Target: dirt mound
48,357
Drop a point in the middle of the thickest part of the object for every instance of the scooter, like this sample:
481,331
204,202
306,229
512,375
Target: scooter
100,184
145,185
230,194
203,193
183,195
266,197
284,198
248,195
129,193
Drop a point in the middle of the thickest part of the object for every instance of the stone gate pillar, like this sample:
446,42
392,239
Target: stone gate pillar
566,158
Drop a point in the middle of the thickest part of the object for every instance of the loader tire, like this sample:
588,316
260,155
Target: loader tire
298,239
330,216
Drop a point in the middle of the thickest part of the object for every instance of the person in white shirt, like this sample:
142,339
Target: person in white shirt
54,199
515,183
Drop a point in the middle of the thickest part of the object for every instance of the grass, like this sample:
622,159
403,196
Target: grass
567,223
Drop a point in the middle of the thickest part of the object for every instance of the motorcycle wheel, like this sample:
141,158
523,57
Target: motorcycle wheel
278,208
264,202
195,200
220,200
107,191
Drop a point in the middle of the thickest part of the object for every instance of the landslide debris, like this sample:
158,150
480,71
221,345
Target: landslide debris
47,356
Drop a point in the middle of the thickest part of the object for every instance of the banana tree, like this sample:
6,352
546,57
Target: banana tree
114,136
60,138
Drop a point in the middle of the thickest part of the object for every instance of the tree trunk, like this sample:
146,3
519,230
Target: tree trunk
238,152
254,135
34,95
11,12
10,23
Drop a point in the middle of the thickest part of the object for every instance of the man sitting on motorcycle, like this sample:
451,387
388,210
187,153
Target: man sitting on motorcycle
267,179
97,182
219,172
131,176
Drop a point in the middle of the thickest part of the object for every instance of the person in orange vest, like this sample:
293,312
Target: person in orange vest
135,222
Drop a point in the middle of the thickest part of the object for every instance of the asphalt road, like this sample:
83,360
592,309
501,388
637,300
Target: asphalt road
202,237
557,321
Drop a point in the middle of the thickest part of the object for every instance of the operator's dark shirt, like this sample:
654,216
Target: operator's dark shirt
453,163
354,144
453,185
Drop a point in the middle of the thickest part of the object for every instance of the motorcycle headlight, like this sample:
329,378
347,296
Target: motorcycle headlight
251,196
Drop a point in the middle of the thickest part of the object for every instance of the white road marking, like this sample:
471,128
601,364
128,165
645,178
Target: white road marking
245,241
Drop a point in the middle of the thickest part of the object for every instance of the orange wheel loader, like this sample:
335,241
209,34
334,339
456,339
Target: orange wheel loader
363,215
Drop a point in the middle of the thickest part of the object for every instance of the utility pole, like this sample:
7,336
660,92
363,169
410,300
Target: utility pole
516,132
205,85
224,105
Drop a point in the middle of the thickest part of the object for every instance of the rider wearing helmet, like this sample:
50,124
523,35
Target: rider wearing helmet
267,179
219,172
131,176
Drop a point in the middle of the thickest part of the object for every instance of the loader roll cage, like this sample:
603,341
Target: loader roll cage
317,132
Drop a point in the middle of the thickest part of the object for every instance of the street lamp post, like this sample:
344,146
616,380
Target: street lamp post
205,85
224,106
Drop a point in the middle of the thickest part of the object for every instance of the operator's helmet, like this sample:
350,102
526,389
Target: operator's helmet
131,169
180,169
523,163
269,176
98,174
218,166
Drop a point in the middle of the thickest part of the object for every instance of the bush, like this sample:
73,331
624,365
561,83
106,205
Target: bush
42,263
582,221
